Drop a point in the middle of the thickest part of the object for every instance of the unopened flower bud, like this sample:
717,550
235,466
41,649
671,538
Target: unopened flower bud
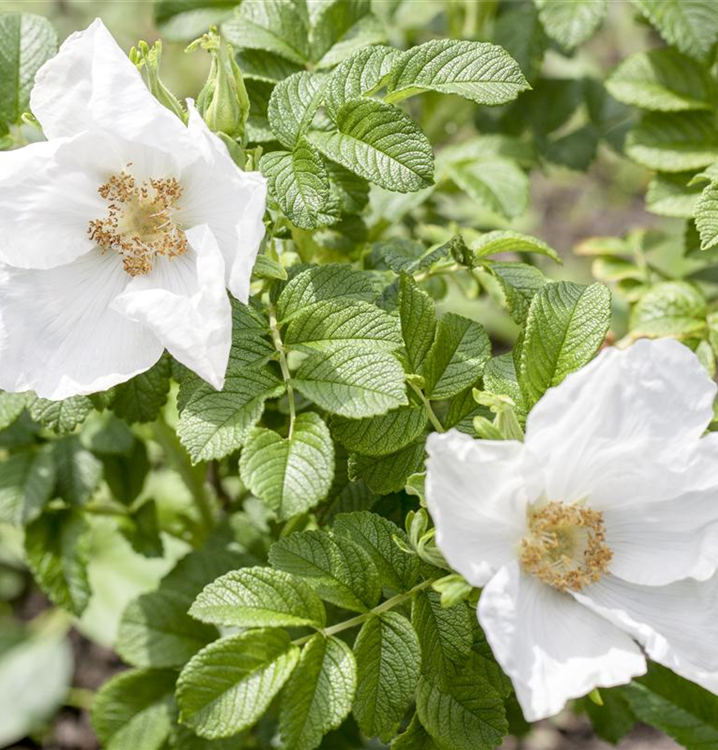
148,59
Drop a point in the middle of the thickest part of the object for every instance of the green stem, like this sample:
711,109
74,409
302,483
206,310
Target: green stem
286,375
429,410
79,698
395,601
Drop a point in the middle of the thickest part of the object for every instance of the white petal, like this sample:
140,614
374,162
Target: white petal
184,302
91,82
58,335
676,624
551,647
230,201
609,428
48,196
477,492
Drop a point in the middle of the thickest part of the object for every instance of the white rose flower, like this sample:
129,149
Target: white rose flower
120,233
596,539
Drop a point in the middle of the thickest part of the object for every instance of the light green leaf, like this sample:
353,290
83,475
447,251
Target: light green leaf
414,738
27,41
319,694
483,73
380,143
279,26
333,324
418,322
259,597
214,424
293,105
566,324
358,76
57,550
11,406
706,215
78,471
690,25
399,570
26,483
334,21
379,436
663,80
457,357
341,572
227,686
293,474
504,241
268,268
669,308
141,398
672,195
674,142
61,416
260,65
352,382
385,474
571,22
498,185
299,183
468,714
185,20
519,283
134,709
320,283
389,660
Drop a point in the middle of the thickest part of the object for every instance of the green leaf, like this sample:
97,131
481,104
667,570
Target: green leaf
279,26
389,660
444,635
352,382
414,738
674,142
519,31
669,308
519,283
503,241
214,423
11,407
566,324
126,475
227,686
257,598
293,474
468,714
26,483
706,215
260,65
663,80
483,73
690,25
57,550
27,41
319,694
571,22
418,322
349,191
359,75
399,570
367,31
341,572
61,416
672,195
320,283
144,532
379,436
141,398
293,105
333,324
380,143
134,709
78,471
613,720
500,377
386,474
457,357
681,709
498,185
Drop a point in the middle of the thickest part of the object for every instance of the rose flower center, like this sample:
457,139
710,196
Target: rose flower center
139,224
566,545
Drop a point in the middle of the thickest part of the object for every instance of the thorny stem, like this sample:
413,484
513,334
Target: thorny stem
395,601
429,411
286,375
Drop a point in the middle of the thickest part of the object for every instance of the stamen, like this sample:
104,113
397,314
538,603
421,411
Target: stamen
139,223
566,546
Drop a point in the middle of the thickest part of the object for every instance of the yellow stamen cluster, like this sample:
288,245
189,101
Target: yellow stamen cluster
566,545
139,222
